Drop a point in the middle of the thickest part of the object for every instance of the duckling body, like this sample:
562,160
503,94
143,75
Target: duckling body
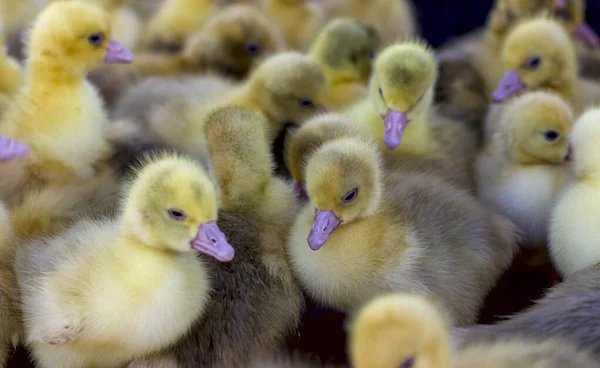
572,233
10,328
522,170
392,243
399,329
70,316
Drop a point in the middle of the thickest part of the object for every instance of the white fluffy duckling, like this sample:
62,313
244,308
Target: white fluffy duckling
367,231
574,223
522,168
104,293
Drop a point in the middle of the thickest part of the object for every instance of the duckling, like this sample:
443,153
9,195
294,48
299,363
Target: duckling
58,113
9,300
392,19
539,54
230,43
470,66
299,21
12,75
241,160
568,311
522,169
399,113
287,87
571,236
408,330
344,49
126,25
168,215
572,14
174,22
371,231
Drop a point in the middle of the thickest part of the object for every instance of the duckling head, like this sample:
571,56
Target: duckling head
345,49
572,14
290,87
343,183
239,149
74,36
172,205
538,53
233,41
584,142
399,330
537,127
401,87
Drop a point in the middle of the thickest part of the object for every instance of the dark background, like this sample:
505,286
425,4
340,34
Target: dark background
444,19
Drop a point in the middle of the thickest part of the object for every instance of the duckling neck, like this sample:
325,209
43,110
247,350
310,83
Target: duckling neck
46,71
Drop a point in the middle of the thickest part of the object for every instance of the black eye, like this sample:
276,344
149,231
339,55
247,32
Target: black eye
96,39
407,363
177,214
533,62
551,135
305,102
350,196
253,48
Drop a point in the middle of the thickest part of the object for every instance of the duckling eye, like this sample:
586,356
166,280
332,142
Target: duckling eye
350,196
96,38
407,363
306,102
533,62
253,48
177,214
551,135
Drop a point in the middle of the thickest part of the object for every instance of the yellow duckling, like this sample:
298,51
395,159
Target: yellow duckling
174,22
572,230
58,113
12,75
367,231
410,331
299,21
521,170
572,14
70,315
345,49
287,87
539,54
399,112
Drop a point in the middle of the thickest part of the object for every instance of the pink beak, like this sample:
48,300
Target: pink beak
11,148
510,85
211,241
324,224
394,124
117,53
586,34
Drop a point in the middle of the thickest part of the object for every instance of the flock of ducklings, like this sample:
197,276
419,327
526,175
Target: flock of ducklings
177,205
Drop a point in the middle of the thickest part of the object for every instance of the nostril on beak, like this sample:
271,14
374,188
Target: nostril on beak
213,240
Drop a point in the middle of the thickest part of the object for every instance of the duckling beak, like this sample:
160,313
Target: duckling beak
394,123
323,225
117,53
586,34
510,85
210,240
11,148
